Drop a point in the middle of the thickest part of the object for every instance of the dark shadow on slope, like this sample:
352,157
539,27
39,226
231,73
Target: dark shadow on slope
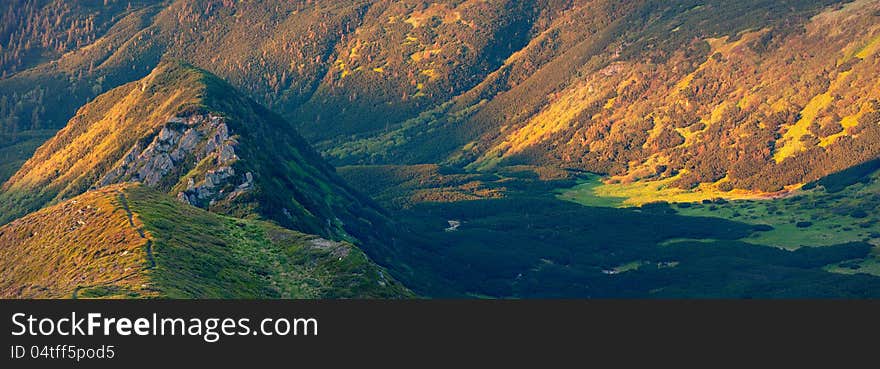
540,247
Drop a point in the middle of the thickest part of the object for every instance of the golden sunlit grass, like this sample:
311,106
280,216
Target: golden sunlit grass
556,117
847,123
596,192
869,49
65,165
792,137
444,12
88,247
83,242
829,215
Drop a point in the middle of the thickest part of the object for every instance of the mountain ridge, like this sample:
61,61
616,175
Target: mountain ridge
187,133
129,241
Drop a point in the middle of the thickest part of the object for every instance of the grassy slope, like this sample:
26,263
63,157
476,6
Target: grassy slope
97,137
837,209
293,185
87,241
513,78
610,118
846,215
213,256
90,246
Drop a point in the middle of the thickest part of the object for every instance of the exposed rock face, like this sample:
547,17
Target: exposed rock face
336,249
197,141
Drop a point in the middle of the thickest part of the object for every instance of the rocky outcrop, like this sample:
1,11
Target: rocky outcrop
184,143
336,249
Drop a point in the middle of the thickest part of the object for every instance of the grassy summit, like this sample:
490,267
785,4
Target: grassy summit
187,133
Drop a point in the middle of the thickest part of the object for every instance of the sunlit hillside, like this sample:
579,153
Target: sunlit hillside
756,95
472,148
127,241
763,109
185,132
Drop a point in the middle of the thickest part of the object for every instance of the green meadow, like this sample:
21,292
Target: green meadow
813,217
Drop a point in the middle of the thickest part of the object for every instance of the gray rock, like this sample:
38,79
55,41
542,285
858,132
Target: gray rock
179,146
155,168
222,132
227,154
165,134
